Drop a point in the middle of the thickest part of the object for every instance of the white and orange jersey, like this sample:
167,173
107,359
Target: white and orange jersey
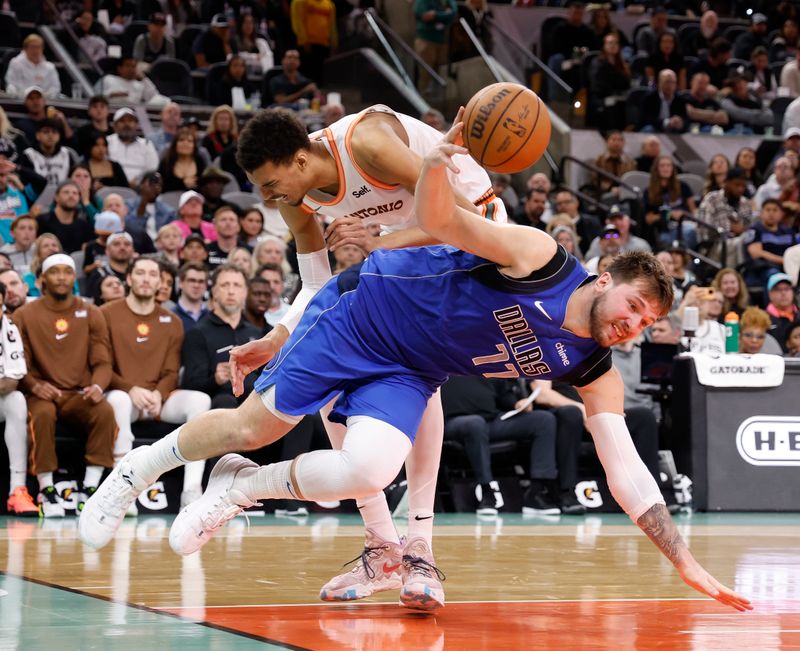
392,206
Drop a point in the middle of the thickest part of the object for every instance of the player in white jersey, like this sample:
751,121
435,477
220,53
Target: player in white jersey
362,170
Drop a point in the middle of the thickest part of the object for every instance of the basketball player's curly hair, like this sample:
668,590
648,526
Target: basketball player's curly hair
644,267
271,136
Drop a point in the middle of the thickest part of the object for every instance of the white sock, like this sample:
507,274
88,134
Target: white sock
18,478
420,525
161,457
267,482
375,513
193,475
45,479
92,476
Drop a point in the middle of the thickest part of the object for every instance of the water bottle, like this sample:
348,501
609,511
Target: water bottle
255,100
731,332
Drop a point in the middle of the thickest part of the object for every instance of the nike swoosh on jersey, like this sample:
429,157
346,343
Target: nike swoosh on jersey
139,340
538,306
61,336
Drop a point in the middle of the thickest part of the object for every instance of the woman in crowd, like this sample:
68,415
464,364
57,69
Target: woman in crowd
111,289
251,225
746,160
46,245
610,77
104,171
235,77
12,141
165,295
793,341
666,57
600,23
568,238
710,334
666,201
734,292
252,47
90,204
169,242
241,258
715,175
223,131
181,165
753,337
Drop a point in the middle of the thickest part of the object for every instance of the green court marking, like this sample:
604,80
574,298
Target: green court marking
36,616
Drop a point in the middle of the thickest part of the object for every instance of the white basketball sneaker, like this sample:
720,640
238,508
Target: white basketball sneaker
196,524
105,509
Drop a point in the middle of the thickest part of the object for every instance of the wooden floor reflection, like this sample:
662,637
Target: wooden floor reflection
513,583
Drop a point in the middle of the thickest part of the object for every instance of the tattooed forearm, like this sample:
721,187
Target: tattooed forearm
661,529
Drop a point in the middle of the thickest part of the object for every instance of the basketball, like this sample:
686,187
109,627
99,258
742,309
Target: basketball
506,127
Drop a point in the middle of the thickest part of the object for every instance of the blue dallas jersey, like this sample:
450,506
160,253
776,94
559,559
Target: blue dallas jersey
387,336
441,310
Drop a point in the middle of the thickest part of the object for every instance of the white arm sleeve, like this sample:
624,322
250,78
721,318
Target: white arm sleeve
315,271
630,481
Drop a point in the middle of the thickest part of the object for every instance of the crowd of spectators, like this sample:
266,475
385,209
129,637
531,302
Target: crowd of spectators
139,254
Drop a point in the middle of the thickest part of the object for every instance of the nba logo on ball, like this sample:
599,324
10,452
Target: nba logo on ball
506,127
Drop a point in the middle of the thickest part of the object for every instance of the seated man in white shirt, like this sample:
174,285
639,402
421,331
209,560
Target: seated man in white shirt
30,68
129,85
136,154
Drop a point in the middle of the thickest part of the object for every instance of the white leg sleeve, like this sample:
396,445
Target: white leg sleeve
183,405
336,431
124,413
630,482
371,456
14,410
422,469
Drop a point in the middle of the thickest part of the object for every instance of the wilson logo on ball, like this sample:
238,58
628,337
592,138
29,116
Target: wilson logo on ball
506,127
484,113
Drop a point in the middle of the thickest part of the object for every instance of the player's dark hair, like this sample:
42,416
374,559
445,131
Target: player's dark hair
257,280
644,267
271,136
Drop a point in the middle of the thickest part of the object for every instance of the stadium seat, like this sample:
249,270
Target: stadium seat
686,34
184,43
637,179
46,197
171,198
214,76
172,77
6,54
779,106
241,200
9,28
694,182
633,105
732,33
125,193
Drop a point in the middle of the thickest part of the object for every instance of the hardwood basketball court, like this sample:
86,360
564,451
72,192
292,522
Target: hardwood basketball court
514,582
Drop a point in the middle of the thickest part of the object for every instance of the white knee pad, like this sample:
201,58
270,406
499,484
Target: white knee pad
371,456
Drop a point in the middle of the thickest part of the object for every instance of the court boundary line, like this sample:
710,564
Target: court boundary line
156,611
361,602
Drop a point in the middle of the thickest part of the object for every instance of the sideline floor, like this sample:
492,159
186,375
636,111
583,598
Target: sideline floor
514,582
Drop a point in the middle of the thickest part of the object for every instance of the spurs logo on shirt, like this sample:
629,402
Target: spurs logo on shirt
142,332
391,206
61,325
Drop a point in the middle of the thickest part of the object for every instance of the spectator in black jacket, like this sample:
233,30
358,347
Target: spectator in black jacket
472,411
715,64
206,346
754,37
663,110
235,77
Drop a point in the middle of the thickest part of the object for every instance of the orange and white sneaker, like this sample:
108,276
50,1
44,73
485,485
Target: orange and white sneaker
21,503
422,582
379,567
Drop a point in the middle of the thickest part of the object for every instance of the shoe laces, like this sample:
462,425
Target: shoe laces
418,565
222,511
364,557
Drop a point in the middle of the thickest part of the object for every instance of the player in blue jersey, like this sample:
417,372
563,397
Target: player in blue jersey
510,303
